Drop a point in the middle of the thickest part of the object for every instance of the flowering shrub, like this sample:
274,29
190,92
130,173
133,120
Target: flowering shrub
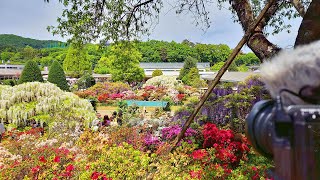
103,97
170,133
43,102
228,149
122,152
103,88
42,162
163,80
226,107
104,92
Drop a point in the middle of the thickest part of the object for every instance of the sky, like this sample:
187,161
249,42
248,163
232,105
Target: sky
30,18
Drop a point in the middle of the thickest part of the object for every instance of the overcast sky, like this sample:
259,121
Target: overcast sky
29,18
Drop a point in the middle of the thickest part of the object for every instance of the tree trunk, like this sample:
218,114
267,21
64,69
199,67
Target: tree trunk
261,46
258,42
309,30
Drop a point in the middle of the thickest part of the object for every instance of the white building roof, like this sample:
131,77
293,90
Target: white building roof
169,66
231,76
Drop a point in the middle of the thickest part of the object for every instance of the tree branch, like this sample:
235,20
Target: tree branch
135,7
223,69
258,42
309,30
299,7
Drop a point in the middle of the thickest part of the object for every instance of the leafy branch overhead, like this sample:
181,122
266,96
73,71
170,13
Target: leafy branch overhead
114,20
87,21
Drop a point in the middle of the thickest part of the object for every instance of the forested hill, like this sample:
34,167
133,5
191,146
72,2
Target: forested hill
10,40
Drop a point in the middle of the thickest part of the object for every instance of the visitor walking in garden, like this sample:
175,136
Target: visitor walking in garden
2,130
119,119
106,121
96,122
114,115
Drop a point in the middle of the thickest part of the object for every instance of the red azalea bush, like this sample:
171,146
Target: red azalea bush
43,162
15,134
181,97
228,149
103,97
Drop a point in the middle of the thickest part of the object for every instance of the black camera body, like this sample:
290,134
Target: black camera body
288,135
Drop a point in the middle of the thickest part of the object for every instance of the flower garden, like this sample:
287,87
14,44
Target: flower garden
63,146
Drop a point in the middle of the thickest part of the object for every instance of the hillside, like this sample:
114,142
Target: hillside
21,42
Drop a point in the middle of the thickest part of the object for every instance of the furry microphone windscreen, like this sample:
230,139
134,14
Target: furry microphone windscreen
292,70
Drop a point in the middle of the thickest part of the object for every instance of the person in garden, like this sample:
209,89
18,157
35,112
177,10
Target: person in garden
114,115
106,120
96,123
2,130
119,118
33,123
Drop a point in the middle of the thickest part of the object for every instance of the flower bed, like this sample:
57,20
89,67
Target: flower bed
131,153
120,91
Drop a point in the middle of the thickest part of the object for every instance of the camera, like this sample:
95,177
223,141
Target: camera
290,135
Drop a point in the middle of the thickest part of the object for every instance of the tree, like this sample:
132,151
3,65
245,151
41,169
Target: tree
193,78
189,63
89,20
103,66
86,81
5,56
157,72
57,76
248,59
30,73
212,53
125,65
29,53
76,62
217,66
192,75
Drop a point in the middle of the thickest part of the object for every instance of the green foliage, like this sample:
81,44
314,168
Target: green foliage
218,66
30,73
76,62
157,72
212,53
94,53
248,59
188,64
243,68
104,66
9,82
6,55
29,53
191,76
86,81
123,161
57,76
21,42
125,66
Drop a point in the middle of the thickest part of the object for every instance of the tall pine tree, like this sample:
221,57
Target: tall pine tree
30,73
57,76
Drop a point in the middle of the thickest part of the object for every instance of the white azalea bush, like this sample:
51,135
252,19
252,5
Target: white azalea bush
164,81
44,102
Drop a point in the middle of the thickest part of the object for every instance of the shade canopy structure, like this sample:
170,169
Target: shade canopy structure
161,104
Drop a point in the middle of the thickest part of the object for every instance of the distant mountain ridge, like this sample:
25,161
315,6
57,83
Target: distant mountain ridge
7,40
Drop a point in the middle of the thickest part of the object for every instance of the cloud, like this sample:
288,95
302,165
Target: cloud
29,18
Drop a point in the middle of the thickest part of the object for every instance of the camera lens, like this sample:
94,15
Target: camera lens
259,127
